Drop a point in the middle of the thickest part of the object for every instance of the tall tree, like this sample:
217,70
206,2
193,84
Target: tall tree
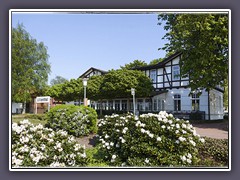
58,80
68,91
30,66
118,84
203,41
134,64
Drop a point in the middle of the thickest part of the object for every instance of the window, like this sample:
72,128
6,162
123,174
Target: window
117,105
104,105
148,105
176,72
153,75
124,105
161,105
110,105
195,102
177,102
140,104
155,104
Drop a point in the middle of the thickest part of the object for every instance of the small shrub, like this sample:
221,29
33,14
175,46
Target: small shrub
96,157
76,120
150,140
41,117
36,146
214,152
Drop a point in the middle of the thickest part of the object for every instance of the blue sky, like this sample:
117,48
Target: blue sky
77,42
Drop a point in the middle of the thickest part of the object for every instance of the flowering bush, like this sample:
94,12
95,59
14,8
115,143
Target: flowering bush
38,146
76,120
150,140
214,152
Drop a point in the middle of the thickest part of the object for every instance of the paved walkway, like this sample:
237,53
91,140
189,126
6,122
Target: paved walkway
217,131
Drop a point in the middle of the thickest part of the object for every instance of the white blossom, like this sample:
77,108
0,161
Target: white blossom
177,126
184,132
143,130
189,156
189,161
151,135
184,126
182,139
84,155
57,164
147,160
106,136
192,142
123,140
183,158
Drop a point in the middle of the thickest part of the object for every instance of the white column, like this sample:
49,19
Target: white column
120,104
113,104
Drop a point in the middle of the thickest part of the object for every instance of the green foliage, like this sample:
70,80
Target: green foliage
30,66
68,91
30,116
95,157
115,84
36,146
225,95
76,120
118,84
203,41
58,80
134,64
93,87
214,152
152,140
156,61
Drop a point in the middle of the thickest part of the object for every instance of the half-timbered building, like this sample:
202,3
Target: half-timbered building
171,94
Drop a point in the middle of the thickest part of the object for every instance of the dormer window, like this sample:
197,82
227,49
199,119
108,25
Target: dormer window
176,72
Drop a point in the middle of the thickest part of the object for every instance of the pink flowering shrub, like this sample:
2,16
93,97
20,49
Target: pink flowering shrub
154,140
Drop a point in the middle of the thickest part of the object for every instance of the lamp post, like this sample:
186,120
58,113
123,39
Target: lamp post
85,85
133,94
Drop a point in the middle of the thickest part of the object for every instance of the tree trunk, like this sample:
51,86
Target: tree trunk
24,108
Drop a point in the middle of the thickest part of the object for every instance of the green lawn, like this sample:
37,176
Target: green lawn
34,119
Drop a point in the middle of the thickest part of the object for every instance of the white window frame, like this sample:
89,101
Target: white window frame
177,102
176,72
195,100
153,75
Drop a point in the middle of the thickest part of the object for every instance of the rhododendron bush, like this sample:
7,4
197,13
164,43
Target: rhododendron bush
76,120
36,146
149,140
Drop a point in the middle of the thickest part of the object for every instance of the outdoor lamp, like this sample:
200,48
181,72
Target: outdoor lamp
85,85
84,82
133,94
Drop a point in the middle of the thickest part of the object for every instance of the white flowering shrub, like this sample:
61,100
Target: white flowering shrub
76,120
36,146
150,140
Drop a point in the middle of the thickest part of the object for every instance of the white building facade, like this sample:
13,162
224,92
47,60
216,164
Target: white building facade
171,94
